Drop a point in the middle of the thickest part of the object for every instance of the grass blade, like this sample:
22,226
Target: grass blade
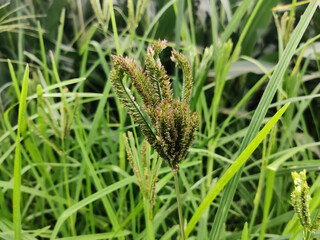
233,169
244,235
17,158
236,19
59,38
14,79
98,236
114,27
43,53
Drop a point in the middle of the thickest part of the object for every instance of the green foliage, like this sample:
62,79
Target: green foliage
64,161
16,201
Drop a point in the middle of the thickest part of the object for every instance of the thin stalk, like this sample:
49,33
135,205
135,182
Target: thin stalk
176,182
306,234
43,54
149,225
114,27
67,190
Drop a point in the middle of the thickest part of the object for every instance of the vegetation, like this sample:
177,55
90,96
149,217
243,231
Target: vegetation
85,132
300,200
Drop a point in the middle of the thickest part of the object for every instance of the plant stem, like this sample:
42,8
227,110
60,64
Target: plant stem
306,234
149,225
176,182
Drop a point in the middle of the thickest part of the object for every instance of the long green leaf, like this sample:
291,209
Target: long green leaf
103,100
17,158
43,53
97,236
236,19
114,26
34,192
14,79
233,169
59,38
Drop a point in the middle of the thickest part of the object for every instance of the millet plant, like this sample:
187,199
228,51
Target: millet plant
166,122
300,200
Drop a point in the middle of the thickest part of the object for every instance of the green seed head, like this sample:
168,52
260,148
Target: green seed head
300,200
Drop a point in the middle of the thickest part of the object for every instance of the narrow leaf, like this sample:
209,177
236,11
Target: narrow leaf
233,169
17,158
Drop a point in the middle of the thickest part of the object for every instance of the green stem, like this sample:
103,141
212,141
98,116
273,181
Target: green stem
148,220
176,182
306,234
67,190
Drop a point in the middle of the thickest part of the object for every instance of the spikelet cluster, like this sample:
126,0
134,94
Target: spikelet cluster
145,172
300,201
62,127
167,123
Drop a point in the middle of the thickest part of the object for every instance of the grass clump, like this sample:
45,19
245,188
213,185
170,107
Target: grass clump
67,144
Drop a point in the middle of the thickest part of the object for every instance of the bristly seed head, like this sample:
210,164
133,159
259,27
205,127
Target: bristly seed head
300,200
167,123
